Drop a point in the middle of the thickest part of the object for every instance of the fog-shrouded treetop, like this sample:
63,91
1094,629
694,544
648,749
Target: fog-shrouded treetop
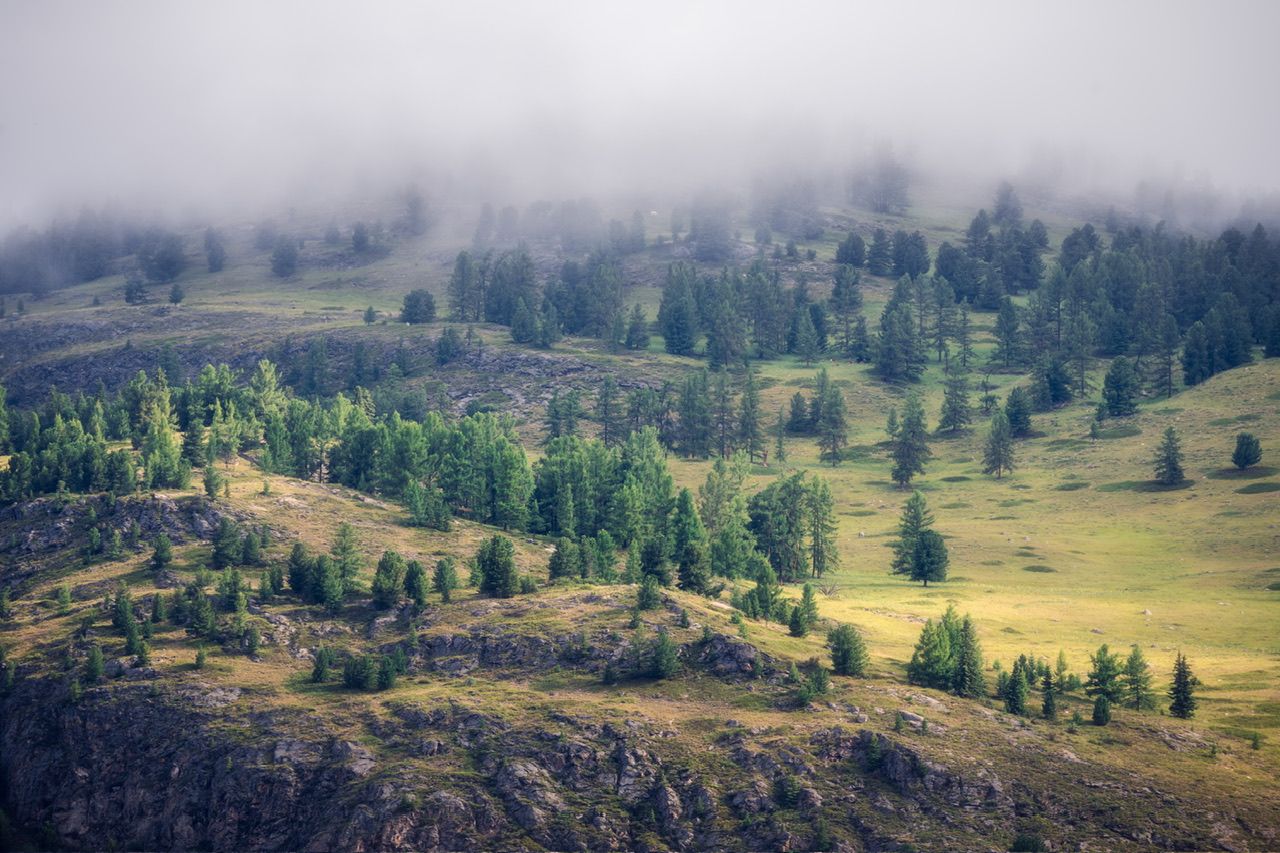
196,106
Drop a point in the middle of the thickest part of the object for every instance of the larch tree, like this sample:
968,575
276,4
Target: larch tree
997,454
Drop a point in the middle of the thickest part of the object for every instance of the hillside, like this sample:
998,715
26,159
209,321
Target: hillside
501,730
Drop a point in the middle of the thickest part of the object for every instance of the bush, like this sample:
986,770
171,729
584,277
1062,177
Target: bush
1248,451
1101,711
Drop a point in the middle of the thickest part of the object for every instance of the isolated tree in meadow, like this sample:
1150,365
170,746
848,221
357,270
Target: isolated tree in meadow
1017,408
1049,704
1248,451
665,662
848,651
284,256
956,412
1182,701
215,250
1168,460
1101,711
419,307
833,425
637,329
997,453
915,519
910,448
929,558
1120,388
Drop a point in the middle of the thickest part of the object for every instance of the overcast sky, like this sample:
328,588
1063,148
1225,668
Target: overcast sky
177,102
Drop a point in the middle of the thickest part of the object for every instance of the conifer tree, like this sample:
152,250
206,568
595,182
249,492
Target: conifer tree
1168,459
910,450
929,558
445,579
163,554
388,580
1007,335
1248,451
564,560
93,665
637,329
329,583
833,425
1104,675
607,412
880,255
796,624
750,436
1049,705
956,413
666,663
915,519
1017,409
1120,388
1182,702
932,662
967,677
821,523
1015,696
346,552
779,439
416,583
807,347
1101,711
496,562
848,652
997,453
1137,680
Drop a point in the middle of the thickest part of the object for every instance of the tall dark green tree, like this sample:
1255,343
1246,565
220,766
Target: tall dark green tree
1120,388
1182,701
497,567
833,425
997,453
848,651
1248,451
1168,459
915,519
910,448
957,412
929,558
1104,675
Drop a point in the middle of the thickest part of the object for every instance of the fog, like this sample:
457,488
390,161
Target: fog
225,106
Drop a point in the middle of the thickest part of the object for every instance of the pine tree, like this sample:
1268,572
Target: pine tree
1120,388
1015,696
444,579
956,411
807,347
932,662
1007,335
388,580
848,652
346,552
929,558
1017,409
967,677
910,450
880,255
637,329
833,425
779,439
1104,675
607,412
1248,451
1168,460
997,454
496,562
1182,691
93,665
1137,680
1101,711
750,436
915,519
796,624
821,524
666,663
163,554
808,607
330,587
564,560
1049,706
